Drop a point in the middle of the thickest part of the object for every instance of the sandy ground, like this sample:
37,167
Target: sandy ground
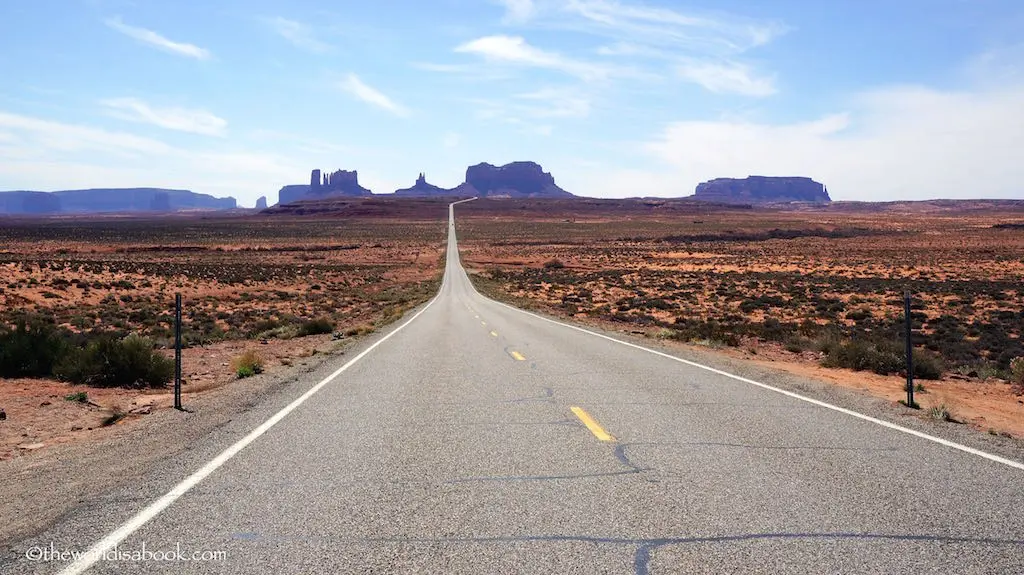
989,406
40,415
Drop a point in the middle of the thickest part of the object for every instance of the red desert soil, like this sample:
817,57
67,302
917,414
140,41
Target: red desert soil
247,283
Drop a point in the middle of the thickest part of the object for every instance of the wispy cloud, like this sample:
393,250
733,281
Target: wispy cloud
61,137
58,155
299,34
156,40
641,41
517,11
362,91
660,26
516,50
180,119
727,77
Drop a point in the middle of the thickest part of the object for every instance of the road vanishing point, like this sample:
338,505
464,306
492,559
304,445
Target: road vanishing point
472,437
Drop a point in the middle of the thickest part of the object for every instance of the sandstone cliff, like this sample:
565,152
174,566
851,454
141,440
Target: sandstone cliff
516,180
762,190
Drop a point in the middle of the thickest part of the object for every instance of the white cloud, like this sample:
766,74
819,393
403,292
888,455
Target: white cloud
900,142
298,34
57,137
55,155
645,42
42,154
727,77
362,91
154,39
515,50
517,11
659,26
180,119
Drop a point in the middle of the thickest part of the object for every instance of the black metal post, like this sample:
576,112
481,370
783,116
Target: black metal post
910,348
177,351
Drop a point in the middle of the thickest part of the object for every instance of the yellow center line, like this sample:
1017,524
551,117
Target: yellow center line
494,334
483,323
518,356
592,425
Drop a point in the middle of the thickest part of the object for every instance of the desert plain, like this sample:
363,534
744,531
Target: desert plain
815,291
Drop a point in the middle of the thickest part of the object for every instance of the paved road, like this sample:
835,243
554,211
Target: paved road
480,439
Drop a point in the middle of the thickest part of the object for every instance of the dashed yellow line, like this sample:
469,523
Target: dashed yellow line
592,425
483,323
494,334
518,356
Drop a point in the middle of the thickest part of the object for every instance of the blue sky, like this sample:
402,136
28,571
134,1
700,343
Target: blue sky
878,99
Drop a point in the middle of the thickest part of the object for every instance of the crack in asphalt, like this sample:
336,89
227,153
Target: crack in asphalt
644,547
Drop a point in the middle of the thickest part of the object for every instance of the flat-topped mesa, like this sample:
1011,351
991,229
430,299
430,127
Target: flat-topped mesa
517,180
762,190
261,203
424,189
112,200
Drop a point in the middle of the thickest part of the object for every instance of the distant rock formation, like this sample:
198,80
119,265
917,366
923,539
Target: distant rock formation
102,200
322,185
516,180
292,193
341,182
161,202
261,204
762,190
423,189
29,203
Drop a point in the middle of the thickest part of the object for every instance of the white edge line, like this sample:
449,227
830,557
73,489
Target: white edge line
89,557
883,423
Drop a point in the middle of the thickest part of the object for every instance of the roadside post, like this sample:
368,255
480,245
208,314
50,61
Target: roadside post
910,348
177,352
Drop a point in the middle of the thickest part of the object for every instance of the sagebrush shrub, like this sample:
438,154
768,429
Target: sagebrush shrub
248,364
109,361
31,349
315,327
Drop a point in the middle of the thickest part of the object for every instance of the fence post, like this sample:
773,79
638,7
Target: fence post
910,348
177,351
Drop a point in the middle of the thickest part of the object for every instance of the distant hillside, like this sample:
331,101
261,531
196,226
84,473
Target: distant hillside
762,190
101,200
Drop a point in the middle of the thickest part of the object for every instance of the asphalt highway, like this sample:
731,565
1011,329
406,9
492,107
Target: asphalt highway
476,438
